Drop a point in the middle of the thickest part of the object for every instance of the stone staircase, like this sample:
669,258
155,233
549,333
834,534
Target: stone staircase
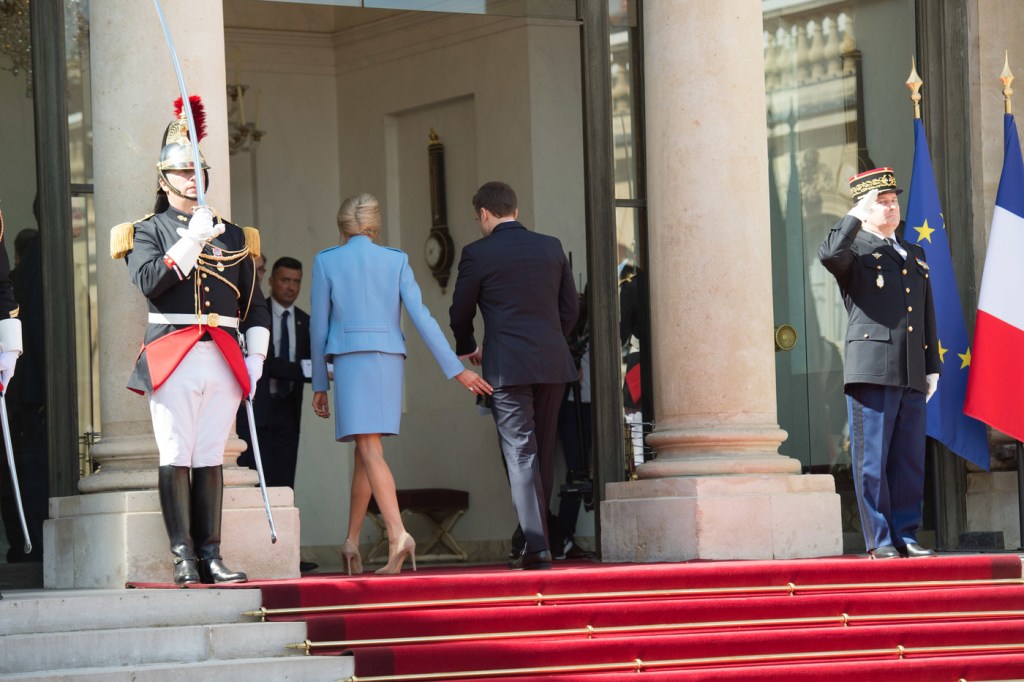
151,636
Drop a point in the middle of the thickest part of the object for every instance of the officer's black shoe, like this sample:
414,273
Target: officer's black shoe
307,566
213,571
518,544
885,552
532,561
916,551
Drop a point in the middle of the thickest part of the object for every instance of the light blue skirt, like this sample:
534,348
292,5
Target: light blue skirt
367,393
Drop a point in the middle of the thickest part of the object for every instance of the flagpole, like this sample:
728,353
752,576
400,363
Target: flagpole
914,82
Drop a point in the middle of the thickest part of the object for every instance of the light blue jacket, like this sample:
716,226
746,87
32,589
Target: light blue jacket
357,297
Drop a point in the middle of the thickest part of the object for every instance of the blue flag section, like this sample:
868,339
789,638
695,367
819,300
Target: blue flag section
947,422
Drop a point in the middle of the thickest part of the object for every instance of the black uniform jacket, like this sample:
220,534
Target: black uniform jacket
891,338
523,284
231,292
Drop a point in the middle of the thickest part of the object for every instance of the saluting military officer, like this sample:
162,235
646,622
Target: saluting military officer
197,272
892,361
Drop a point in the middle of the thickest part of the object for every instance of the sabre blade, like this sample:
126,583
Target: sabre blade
13,469
259,468
187,106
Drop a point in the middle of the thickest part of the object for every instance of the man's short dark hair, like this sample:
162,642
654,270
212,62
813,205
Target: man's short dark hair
286,262
497,197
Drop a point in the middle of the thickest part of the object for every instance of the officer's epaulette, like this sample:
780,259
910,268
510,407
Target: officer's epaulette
252,241
122,238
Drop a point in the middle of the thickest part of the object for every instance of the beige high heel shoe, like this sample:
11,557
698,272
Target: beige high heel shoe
405,546
350,556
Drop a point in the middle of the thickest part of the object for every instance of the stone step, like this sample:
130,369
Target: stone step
40,611
147,645
293,669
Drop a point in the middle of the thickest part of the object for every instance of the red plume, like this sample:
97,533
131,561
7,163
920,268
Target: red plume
198,114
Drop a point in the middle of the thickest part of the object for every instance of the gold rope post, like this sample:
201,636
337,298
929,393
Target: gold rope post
914,82
1006,77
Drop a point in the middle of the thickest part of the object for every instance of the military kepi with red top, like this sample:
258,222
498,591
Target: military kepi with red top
882,179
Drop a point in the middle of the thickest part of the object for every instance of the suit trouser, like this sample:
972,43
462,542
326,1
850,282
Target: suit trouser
527,421
887,446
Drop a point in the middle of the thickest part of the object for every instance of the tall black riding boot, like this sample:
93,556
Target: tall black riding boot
207,501
174,503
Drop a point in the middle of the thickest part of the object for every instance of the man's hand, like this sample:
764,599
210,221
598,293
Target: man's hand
862,209
254,366
201,226
474,382
476,357
933,385
7,361
320,404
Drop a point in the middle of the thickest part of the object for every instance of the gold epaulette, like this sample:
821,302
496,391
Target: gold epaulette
252,241
122,240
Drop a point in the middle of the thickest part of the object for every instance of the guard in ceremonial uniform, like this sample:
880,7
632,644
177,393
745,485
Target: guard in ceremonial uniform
892,361
10,349
198,274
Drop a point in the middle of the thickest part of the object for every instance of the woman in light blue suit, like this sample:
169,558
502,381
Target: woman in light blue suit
358,292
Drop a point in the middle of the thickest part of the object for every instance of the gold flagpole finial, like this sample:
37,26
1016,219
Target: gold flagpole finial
914,82
1006,78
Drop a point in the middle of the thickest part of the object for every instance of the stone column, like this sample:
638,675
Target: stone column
134,87
718,487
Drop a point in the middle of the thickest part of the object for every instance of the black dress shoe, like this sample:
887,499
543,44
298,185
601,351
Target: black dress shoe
886,552
916,551
307,566
532,561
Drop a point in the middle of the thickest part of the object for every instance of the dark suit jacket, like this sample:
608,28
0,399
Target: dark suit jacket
524,287
278,368
891,338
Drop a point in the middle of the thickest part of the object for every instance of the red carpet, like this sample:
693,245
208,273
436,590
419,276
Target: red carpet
948,618
955,617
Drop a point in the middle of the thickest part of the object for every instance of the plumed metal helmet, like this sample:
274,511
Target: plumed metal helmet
176,152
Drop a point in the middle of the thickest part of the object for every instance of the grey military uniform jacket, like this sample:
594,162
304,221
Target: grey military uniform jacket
891,337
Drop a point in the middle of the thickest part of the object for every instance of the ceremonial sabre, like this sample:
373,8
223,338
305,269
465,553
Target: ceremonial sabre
259,468
186,104
14,471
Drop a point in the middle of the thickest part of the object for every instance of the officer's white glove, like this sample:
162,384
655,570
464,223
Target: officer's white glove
862,209
8,359
201,226
254,366
933,385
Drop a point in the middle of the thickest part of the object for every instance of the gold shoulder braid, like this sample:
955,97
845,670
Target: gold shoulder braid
252,241
122,238
1,225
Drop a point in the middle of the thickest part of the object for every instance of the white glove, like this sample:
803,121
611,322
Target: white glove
201,226
933,385
862,209
254,366
8,359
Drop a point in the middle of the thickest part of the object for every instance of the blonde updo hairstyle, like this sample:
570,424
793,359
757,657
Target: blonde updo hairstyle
359,215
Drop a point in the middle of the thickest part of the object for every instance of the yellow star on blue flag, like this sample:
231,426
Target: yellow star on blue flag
924,232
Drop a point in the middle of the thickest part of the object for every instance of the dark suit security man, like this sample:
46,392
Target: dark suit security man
892,361
277,405
524,287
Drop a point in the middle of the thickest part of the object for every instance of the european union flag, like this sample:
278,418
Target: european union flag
947,422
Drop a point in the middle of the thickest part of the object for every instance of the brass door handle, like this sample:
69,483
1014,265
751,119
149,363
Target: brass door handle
785,337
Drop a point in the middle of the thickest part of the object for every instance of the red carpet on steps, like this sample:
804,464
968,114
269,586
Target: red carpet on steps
884,603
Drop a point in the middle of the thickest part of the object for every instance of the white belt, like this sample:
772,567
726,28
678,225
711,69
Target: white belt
211,320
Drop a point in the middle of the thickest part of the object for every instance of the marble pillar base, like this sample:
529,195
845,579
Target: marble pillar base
721,517
104,540
992,504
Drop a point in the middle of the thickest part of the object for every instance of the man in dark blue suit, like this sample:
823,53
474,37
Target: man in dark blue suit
277,405
524,288
892,361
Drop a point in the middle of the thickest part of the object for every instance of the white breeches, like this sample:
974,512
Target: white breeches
194,410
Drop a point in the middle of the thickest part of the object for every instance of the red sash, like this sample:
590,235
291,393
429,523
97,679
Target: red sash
165,354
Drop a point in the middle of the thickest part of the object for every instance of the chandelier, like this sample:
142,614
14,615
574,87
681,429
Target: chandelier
16,37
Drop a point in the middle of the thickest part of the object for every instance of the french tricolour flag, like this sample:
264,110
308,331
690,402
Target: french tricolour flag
995,385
